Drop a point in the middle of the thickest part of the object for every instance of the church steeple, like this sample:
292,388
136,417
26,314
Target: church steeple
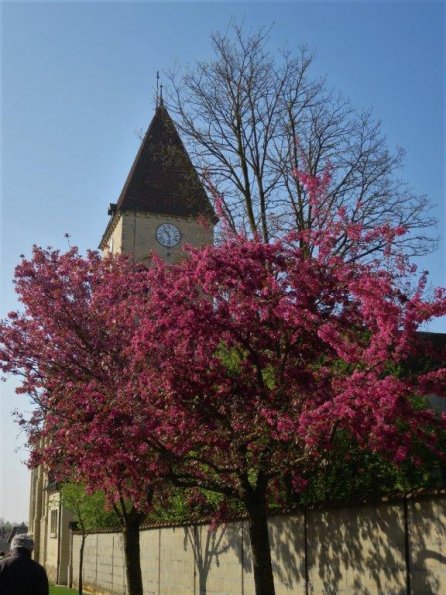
162,182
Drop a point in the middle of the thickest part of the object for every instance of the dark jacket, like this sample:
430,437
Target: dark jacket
20,575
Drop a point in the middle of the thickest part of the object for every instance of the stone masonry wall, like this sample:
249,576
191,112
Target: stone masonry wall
135,233
391,548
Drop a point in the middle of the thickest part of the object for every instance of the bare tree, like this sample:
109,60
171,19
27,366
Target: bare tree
250,119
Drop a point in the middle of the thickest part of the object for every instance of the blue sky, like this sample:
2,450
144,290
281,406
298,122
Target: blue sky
78,80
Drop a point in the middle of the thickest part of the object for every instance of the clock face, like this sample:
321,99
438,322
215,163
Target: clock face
168,235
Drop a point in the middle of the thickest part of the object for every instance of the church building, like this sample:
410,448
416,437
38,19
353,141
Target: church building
162,206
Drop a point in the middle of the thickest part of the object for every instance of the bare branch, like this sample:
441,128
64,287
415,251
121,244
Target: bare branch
249,117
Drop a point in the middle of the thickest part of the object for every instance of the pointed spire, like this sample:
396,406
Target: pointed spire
162,178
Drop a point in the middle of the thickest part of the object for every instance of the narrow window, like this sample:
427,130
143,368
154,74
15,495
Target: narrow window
53,523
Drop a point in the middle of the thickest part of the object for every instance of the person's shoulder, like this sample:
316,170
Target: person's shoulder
37,565
6,562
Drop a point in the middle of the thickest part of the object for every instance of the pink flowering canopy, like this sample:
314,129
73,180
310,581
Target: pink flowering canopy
253,356
70,347
230,370
227,370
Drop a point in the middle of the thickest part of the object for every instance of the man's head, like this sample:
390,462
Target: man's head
22,541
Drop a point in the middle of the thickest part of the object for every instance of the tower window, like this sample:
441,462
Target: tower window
53,523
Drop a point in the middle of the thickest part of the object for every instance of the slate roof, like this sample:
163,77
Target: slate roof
162,178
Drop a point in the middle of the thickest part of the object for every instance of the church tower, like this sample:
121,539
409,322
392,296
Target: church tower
163,204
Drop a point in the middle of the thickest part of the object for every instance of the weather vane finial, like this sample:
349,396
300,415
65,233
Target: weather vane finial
159,91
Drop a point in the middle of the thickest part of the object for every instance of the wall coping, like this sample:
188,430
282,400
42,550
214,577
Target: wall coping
394,498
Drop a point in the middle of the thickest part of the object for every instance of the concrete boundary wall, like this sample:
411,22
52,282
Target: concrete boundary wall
392,548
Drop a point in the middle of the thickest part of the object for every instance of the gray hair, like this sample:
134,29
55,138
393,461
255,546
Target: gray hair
24,541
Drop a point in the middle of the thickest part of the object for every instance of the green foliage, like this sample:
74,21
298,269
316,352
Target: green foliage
89,509
231,358
171,508
186,505
349,473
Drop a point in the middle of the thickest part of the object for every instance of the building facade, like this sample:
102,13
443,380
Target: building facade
162,207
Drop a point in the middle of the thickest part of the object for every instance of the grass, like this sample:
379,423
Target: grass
62,591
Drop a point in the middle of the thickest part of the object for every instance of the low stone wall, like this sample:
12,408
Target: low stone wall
393,547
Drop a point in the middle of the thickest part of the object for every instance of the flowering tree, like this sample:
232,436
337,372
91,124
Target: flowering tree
70,345
228,371
254,357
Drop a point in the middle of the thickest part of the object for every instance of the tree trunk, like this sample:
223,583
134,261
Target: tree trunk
132,555
81,564
261,553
